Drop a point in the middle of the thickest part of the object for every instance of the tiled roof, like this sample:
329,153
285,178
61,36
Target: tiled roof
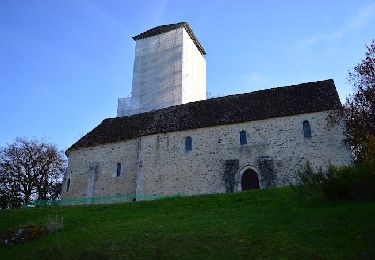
270,103
169,27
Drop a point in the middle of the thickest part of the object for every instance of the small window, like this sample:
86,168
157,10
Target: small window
306,129
243,138
67,185
188,143
118,170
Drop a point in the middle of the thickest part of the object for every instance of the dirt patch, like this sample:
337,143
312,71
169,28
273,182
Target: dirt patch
21,235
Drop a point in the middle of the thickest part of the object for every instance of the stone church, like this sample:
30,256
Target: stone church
168,138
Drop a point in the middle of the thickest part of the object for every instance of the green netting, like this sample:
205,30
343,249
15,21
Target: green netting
120,198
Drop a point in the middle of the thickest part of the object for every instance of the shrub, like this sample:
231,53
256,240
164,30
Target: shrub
310,189
349,182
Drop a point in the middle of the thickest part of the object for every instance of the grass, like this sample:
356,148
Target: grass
257,224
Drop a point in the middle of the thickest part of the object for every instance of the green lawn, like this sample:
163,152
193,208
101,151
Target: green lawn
257,224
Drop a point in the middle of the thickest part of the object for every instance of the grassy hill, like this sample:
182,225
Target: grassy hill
257,224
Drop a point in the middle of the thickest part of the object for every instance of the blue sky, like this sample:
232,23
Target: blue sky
64,63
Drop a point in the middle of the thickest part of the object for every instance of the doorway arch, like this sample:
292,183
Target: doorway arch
249,180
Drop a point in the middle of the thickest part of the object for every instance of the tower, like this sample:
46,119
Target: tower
169,69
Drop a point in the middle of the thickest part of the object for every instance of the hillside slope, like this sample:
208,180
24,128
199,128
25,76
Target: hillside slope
265,223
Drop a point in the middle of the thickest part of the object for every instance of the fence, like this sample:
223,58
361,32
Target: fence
121,198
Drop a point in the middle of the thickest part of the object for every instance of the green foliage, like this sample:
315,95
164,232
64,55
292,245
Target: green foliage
310,189
350,182
368,153
356,182
359,112
270,224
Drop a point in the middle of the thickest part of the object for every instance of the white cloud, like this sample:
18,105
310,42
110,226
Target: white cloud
159,11
363,18
257,78
105,17
309,41
255,81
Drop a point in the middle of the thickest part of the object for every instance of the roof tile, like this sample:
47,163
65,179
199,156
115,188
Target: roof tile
270,103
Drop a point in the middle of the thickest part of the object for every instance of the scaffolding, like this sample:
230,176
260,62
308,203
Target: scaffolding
127,107
168,70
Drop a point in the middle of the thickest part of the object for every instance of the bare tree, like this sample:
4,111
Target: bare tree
30,169
9,196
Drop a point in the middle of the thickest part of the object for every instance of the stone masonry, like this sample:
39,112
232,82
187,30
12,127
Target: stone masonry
158,164
174,143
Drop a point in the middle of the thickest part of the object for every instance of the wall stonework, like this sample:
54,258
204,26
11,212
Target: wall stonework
158,164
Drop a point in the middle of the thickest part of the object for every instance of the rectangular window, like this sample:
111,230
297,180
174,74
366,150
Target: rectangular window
243,138
118,170
67,185
306,129
188,143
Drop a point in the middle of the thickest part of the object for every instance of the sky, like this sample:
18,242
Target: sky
64,63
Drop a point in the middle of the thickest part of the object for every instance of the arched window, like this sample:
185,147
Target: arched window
67,185
306,129
118,170
188,143
243,138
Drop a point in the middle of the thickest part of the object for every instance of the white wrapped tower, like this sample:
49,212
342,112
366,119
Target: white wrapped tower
169,69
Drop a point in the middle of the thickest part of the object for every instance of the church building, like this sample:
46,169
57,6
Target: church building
168,138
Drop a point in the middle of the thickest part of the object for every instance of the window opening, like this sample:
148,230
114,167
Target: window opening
306,129
118,170
67,185
188,143
243,138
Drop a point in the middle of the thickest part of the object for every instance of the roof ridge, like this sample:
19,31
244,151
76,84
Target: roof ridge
167,28
239,94
276,102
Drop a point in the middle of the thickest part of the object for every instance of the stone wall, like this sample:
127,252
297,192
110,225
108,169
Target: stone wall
159,164
93,171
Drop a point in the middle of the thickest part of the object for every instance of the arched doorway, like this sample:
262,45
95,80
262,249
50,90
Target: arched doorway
249,180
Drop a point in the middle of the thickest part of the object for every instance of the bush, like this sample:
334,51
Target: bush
310,188
350,182
355,182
